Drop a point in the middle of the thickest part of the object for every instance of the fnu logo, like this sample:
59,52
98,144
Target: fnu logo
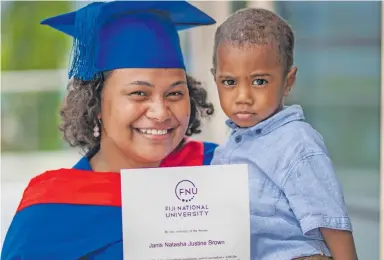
185,190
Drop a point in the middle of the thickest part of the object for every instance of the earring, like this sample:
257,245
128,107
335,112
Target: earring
96,130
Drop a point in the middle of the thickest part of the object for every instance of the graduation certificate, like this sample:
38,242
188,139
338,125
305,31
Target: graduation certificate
186,213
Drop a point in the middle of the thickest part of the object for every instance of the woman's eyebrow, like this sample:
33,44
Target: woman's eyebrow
141,83
180,82
147,84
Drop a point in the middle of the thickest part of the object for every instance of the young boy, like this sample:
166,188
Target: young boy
297,206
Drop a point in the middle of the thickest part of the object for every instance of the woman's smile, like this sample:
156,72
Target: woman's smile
155,133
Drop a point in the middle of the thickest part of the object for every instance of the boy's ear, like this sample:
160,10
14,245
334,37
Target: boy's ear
213,72
291,79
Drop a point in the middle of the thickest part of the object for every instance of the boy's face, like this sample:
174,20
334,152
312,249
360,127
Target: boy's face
251,82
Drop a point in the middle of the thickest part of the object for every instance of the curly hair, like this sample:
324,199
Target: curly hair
82,105
257,26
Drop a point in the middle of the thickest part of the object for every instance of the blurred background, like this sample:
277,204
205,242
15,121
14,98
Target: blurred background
338,85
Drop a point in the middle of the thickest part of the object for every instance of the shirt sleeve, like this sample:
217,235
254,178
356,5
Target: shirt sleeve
316,196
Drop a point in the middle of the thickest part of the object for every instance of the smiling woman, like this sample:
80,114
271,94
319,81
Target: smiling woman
132,113
143,114
130,104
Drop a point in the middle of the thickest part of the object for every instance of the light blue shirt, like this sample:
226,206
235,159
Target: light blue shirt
292,185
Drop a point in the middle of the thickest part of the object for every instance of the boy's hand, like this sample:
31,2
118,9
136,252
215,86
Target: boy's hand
340,243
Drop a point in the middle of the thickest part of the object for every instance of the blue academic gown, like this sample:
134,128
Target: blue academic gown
76,213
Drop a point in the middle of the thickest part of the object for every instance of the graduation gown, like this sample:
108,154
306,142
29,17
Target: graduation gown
76,213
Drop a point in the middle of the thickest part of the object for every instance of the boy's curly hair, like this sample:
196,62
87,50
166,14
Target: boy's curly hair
82,105
257,27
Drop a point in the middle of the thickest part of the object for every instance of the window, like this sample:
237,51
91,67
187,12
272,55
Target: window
338,83
236,5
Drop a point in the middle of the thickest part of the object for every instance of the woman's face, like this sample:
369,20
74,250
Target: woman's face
145,112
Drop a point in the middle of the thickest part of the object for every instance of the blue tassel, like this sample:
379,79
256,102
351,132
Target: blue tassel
82,63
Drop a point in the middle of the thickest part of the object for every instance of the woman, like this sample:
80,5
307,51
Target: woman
130,105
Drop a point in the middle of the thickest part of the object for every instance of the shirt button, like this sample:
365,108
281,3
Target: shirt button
238,139
258,131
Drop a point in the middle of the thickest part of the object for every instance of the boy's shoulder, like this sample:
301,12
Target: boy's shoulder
287,134
301,138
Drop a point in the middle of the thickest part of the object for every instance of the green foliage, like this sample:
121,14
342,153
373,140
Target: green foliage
35,115
28,45
30,119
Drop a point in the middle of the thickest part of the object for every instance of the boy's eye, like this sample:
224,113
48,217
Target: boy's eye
259,82
228,82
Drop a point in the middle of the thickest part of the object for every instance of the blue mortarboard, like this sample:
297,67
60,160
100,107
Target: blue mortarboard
127,34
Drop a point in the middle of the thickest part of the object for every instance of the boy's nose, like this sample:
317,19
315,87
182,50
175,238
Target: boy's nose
244,95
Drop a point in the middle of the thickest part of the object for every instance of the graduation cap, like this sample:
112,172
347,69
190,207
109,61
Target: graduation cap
127,34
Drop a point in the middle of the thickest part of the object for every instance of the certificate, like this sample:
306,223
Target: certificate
186,213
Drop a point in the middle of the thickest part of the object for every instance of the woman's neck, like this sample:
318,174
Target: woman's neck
110,158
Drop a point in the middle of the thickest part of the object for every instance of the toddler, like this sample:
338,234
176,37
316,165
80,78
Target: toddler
296,203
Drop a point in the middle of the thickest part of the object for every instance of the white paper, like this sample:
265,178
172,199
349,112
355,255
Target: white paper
211,223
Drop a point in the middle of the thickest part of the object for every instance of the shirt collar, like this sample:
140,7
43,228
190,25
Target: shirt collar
285,115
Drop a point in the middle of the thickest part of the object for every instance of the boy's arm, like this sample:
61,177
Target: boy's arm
316,198
340,243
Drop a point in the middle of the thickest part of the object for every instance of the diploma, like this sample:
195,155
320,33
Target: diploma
186,213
